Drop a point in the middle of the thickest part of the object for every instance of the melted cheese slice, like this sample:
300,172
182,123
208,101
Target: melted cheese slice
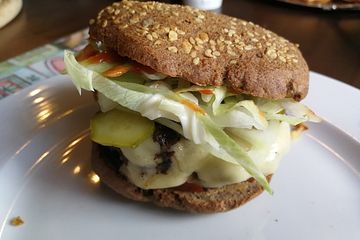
265,147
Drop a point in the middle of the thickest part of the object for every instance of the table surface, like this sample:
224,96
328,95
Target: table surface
329,41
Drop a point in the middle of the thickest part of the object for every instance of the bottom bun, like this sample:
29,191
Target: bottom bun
211,200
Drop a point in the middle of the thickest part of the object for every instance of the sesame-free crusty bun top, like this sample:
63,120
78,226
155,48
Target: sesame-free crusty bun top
204,48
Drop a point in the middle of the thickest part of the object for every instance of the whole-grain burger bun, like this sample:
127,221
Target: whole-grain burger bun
209,200
204,48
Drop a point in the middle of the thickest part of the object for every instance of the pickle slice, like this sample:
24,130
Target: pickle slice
120,128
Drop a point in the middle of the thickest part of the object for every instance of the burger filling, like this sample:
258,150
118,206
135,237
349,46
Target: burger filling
151,167
161,131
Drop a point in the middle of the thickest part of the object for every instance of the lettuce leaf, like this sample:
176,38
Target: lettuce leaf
244,114
287,110
232,151
82,75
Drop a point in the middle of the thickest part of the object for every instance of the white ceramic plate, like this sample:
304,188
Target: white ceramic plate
44,177
330,6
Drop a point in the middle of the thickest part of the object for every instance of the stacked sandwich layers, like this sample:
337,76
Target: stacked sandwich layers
194,105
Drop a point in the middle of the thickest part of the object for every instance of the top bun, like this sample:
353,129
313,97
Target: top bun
204,48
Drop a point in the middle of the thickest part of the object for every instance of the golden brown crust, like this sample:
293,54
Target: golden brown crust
204,48
210,201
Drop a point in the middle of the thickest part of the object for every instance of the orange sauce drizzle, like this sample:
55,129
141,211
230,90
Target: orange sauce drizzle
116,71
87,52
206,91
98,58
193,106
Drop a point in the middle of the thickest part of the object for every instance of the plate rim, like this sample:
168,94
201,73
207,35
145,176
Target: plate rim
331,6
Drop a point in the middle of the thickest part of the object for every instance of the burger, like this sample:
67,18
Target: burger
196,108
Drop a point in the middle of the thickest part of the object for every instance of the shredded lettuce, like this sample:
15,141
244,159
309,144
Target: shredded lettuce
286,110
219,96
158,103
243,114
205,97
232,150
154,76
170,124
